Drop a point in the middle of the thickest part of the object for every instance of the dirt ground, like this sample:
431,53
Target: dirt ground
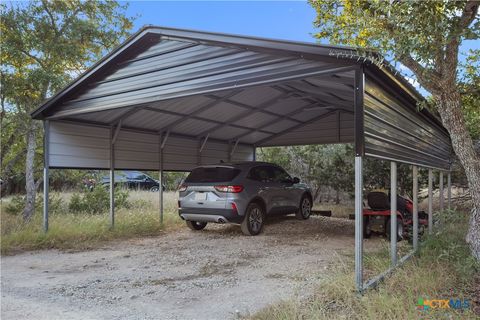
214,274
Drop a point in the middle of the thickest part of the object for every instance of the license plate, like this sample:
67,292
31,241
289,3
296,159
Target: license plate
200,196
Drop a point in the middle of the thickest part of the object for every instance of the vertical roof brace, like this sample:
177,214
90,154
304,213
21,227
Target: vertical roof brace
204,143
164,140
117,131
234,147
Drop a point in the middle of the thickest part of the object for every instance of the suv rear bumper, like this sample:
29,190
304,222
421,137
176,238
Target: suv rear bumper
210,215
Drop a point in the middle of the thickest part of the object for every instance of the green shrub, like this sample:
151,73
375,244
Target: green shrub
15,205
56,205
97,201
76,203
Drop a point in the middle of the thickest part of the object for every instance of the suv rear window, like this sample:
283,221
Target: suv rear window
212,174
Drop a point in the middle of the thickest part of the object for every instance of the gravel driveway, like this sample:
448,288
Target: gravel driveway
214,274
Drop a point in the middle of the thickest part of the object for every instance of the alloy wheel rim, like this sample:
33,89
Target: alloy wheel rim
306,207
255,220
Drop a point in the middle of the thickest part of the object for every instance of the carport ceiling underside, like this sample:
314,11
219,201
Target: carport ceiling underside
231,89
280,114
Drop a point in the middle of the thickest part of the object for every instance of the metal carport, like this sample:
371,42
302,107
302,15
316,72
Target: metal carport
170,99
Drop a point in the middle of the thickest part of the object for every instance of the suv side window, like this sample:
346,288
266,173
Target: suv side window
279,175
261,173
137,175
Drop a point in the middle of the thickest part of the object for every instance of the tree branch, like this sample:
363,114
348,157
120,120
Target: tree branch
469,14
31,56
427,78
68,20
52,19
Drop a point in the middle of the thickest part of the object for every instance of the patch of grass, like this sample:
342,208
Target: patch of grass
81,231
443,269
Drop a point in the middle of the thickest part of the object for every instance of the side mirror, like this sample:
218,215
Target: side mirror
296,180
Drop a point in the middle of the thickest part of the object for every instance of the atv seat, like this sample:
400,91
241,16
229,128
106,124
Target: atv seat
378,201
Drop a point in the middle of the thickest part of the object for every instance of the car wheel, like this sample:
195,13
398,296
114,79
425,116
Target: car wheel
367,230
254,220
305,210
399,229
154,189
195,225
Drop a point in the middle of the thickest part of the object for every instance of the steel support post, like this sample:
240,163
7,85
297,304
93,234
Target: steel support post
46,173
393,213
415,207
358,223
160,178
441,191
449,190
112,180
430,201
359,85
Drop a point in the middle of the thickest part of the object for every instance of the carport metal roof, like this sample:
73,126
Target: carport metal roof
250,91
170,99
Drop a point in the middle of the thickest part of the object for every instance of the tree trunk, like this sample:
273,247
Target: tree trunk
449,107
29,173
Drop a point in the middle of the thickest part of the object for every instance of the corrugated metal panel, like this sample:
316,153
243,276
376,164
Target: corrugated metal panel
149,120
243,153
105,117
256,95
86,146
222,112
77,146
285,106
185,105
227,133
255,119
332,128
193,127
187,71
214,152
397,131
309,114
280,125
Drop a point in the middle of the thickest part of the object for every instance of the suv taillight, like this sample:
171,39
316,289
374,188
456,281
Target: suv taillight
231,189
182,188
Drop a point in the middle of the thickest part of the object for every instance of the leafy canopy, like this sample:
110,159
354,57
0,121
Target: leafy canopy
46,43
423,35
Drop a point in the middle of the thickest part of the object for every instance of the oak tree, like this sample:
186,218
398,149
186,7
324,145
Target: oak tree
44,44
425,36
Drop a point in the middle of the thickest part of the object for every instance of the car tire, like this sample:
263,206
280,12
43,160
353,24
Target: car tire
254,220
400,229
305,209
367,231
154,189
196,225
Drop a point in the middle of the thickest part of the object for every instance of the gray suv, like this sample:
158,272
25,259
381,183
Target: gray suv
241,193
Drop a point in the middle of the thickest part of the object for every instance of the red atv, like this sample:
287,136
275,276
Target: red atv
377,218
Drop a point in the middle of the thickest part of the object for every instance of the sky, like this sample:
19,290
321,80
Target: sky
288,20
